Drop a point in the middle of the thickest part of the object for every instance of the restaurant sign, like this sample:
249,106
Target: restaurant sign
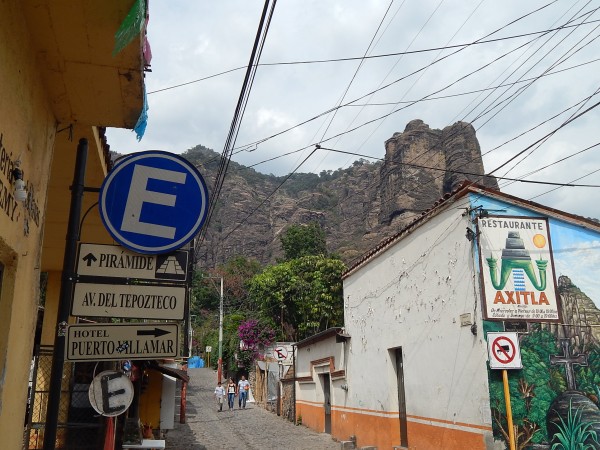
517,269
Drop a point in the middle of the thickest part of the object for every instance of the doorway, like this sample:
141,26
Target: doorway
401,397
327,401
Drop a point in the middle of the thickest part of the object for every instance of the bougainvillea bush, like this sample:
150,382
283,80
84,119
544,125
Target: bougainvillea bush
255,337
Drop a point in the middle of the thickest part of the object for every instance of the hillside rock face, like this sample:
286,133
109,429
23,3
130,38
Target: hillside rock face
357,207
580,314
422,164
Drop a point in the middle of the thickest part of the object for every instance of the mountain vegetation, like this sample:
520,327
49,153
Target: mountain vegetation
280,248
288,301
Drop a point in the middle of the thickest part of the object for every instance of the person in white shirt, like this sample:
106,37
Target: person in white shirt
243,388
220,395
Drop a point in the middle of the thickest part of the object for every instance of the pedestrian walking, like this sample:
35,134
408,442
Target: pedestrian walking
220,395
231,387
243,388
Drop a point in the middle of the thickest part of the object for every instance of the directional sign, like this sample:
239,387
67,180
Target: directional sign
136,301
112,342
153,202
115,261
504,351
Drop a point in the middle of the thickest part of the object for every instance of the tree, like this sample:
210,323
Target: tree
205,299
301,296
237,273
256,337
204,294
303,240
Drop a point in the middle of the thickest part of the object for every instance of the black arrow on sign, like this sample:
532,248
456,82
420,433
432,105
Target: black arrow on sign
156,332
89,259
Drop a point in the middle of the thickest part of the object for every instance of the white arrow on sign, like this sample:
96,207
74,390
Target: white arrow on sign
110,342
133,301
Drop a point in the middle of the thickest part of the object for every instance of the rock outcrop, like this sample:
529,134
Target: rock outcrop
580,316
357,207
421,165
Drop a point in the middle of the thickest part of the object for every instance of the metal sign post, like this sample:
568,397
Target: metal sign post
64,304
208,350
509,420
504,353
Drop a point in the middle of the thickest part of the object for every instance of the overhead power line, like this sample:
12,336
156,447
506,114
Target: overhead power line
557,184
383,55
565,123
260,141
477,91
461,172
259,41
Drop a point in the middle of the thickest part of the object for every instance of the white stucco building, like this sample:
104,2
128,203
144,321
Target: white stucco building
410,367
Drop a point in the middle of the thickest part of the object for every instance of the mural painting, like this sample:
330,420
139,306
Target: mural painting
556,396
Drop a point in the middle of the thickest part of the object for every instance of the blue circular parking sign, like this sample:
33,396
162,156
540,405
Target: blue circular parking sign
153,202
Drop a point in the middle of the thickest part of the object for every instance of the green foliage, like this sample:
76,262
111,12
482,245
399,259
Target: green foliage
237,273
529,406
208,160
558,382
588,377
205,299
204,294
245,358
573,434
303,240
231,342
300,182
301,296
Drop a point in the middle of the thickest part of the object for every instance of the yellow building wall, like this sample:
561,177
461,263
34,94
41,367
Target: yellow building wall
27,130
382,429
149,407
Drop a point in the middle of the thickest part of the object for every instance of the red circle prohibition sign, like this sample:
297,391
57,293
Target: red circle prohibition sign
503,350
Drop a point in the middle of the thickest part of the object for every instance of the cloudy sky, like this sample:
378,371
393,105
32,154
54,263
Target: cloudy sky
547,78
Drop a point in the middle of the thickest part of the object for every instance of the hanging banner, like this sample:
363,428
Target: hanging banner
517,269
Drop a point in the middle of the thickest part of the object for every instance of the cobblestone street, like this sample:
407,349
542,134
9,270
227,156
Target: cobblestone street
250,428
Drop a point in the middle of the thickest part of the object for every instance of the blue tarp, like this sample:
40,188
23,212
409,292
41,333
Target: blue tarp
195,362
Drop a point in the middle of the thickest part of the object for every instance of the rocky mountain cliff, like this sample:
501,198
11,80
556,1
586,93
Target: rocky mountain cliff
357,207
580,314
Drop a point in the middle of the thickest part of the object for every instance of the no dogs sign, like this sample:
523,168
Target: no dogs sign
504,351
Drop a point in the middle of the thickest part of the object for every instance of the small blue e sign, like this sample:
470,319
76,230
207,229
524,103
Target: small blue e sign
153,202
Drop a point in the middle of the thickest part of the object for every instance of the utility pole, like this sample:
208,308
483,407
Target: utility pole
220,363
